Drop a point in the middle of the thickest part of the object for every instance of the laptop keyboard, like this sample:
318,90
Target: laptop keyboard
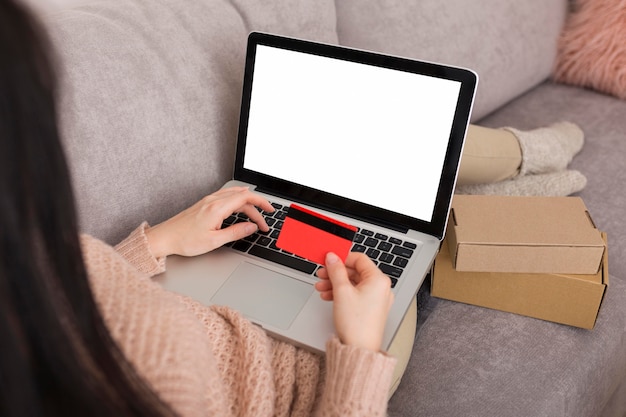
389,253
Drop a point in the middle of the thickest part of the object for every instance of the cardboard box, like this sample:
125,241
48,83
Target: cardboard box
568,299
523,234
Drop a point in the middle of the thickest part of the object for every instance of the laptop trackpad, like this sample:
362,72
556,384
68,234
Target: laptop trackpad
264,295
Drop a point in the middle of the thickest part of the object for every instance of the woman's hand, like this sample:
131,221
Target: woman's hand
361,296
197,230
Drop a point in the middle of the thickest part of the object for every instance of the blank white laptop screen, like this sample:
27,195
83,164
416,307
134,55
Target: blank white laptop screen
350,129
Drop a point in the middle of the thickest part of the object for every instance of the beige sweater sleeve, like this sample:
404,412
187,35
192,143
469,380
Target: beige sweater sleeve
136,251
166,345
357,381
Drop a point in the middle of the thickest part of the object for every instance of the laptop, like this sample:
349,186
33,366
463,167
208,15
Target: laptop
365,138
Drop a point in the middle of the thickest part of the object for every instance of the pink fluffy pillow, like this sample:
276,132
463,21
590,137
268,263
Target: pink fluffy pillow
592,47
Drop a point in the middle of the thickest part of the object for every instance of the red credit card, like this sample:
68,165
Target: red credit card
312,235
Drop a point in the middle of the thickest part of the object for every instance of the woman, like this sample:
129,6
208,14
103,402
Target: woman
84,331
68,303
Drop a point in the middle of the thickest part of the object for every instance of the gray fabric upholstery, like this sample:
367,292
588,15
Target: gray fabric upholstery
150,99
313,20
149,111
141,93
615,406
471,361
512,45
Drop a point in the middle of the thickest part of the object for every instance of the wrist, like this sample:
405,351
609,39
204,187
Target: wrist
157,244
363,342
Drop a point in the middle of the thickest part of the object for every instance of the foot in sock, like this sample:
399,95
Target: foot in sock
548,149
562,183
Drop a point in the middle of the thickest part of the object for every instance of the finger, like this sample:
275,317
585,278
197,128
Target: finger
234,232
322,286
322,273
256,216
248,201
327,296
220,207
259,201
360,267
359,261
337,273
325,289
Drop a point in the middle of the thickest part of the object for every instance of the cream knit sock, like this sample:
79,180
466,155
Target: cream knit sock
548,149
557,184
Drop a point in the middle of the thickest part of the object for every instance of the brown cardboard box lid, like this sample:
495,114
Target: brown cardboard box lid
555,233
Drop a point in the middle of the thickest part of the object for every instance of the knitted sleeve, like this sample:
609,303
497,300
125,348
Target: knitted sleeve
357,381
257,375
267,377
165,344
136,251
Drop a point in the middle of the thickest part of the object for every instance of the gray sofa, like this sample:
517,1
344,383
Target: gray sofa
149,111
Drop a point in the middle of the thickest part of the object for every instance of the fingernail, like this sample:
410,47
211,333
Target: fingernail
331,258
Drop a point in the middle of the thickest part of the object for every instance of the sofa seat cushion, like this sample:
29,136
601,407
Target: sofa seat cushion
475,362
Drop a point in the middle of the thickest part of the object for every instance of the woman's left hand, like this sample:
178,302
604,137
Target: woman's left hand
198,229
361,296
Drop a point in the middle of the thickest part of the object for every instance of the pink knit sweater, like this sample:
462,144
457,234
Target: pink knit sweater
210,361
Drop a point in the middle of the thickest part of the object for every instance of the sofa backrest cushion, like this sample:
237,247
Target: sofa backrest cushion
510,44
150,98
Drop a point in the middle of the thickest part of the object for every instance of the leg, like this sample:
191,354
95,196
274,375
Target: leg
493,155
509,161
490,155
402,345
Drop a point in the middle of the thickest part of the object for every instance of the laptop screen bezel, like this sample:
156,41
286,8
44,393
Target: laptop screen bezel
334,203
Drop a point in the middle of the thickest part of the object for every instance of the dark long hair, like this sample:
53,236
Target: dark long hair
56,355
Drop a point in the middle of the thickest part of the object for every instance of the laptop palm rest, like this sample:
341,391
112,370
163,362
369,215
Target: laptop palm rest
264,295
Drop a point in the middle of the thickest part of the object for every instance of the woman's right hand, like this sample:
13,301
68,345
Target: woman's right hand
198,229
361,296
